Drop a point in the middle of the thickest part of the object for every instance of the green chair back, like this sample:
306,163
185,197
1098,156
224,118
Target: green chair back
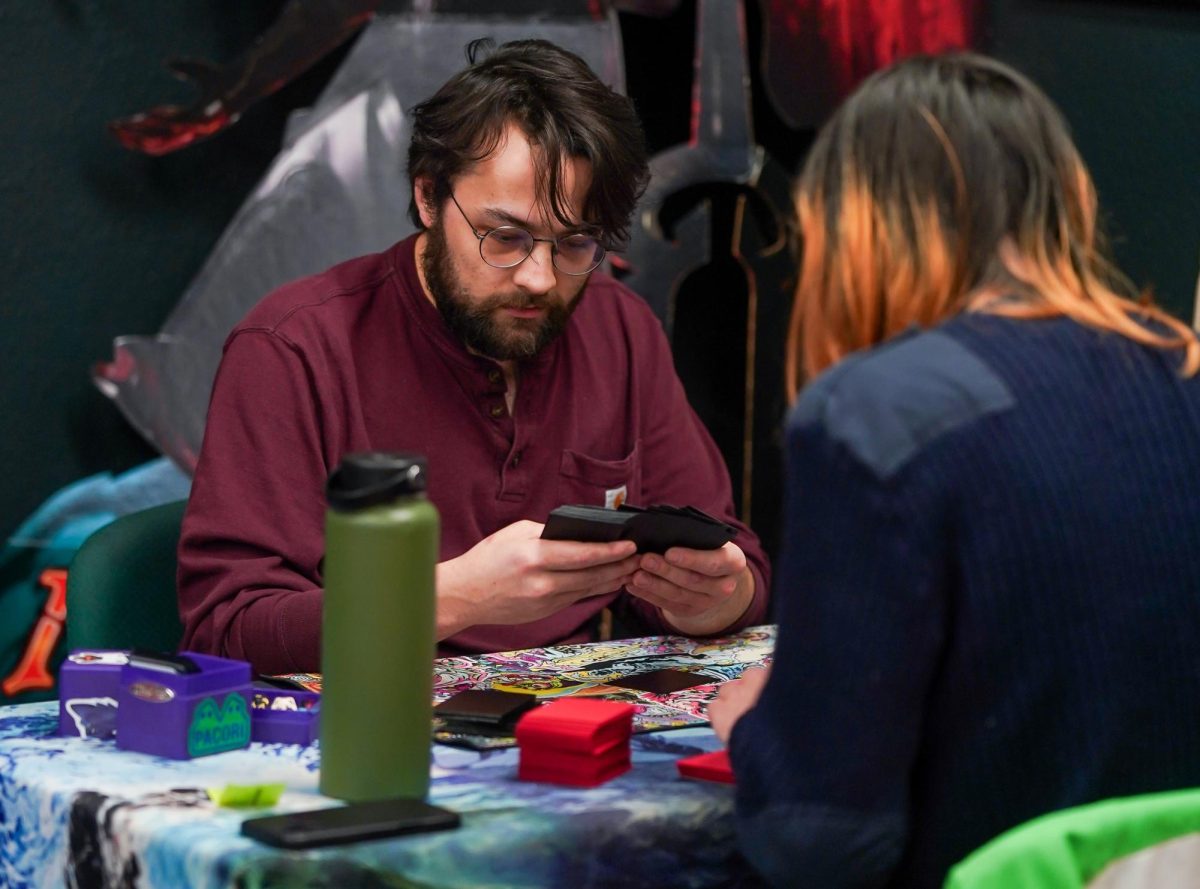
121,583
1068,849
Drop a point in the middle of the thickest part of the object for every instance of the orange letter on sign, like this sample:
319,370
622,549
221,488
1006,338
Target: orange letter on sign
33,672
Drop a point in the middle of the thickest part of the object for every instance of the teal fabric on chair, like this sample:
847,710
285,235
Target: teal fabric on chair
1068,849
121,583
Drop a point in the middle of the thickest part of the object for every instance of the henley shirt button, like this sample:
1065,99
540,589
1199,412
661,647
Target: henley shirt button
494,375
516,461
497,410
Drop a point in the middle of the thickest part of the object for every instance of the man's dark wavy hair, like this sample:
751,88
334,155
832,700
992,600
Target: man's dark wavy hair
565,110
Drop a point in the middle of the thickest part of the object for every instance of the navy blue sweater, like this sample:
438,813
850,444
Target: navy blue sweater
988,601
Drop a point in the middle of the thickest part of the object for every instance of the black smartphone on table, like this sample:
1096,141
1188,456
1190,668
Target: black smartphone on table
350,823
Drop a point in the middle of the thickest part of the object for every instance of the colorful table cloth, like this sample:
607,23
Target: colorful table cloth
81,813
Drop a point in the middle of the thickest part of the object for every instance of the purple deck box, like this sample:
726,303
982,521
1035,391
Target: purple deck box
283,716
89,682
185,715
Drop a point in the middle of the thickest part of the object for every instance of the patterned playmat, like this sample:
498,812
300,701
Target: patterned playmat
588,670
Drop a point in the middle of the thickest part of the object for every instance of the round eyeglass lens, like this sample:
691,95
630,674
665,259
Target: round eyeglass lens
578,254
505,247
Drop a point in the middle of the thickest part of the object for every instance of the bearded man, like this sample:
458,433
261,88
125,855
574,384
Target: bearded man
490,343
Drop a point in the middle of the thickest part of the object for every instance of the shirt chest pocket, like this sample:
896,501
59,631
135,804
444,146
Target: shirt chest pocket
593,482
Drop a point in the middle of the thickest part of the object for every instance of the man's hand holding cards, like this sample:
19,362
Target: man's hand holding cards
689,567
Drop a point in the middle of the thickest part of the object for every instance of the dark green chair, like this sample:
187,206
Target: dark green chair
121,583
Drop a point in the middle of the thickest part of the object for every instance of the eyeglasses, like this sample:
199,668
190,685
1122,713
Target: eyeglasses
506,246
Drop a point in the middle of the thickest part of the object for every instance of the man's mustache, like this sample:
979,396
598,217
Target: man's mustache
522,301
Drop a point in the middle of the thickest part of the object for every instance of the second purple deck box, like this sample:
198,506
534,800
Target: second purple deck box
284,716
185,715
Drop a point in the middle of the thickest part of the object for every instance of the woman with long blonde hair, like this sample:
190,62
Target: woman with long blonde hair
989,592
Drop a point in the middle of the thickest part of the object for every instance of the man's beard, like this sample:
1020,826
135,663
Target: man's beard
473,321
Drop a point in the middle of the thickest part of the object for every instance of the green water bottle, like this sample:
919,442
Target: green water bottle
377,631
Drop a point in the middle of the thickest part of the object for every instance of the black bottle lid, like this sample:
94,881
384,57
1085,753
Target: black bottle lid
369,479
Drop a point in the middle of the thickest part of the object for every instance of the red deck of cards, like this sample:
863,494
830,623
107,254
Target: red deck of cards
582,742
707,767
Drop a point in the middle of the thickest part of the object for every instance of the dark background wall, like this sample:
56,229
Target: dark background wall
96,242
1127,76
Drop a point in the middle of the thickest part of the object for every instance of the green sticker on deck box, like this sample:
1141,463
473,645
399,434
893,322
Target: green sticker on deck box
217,729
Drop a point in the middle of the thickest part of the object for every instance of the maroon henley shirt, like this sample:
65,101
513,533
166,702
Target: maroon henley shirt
357,359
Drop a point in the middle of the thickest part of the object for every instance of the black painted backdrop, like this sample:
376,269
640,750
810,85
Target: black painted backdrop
97,242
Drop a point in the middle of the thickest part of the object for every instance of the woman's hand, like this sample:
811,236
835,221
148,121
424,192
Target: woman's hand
734,699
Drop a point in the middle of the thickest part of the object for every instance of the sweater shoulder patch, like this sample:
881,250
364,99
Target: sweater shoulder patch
888,403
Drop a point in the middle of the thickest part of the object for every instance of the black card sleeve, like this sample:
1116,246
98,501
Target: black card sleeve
654,529
485,706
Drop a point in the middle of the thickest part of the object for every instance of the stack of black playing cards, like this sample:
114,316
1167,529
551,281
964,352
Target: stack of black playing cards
654,529
483,711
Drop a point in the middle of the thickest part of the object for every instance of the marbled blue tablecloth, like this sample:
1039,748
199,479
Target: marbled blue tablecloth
81,813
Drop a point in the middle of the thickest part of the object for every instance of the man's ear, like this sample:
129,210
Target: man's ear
423,197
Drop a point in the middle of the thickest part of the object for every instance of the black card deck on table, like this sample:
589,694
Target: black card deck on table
662,682
483,707
654,529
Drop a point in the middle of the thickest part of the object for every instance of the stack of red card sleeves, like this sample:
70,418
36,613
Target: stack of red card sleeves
582,742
